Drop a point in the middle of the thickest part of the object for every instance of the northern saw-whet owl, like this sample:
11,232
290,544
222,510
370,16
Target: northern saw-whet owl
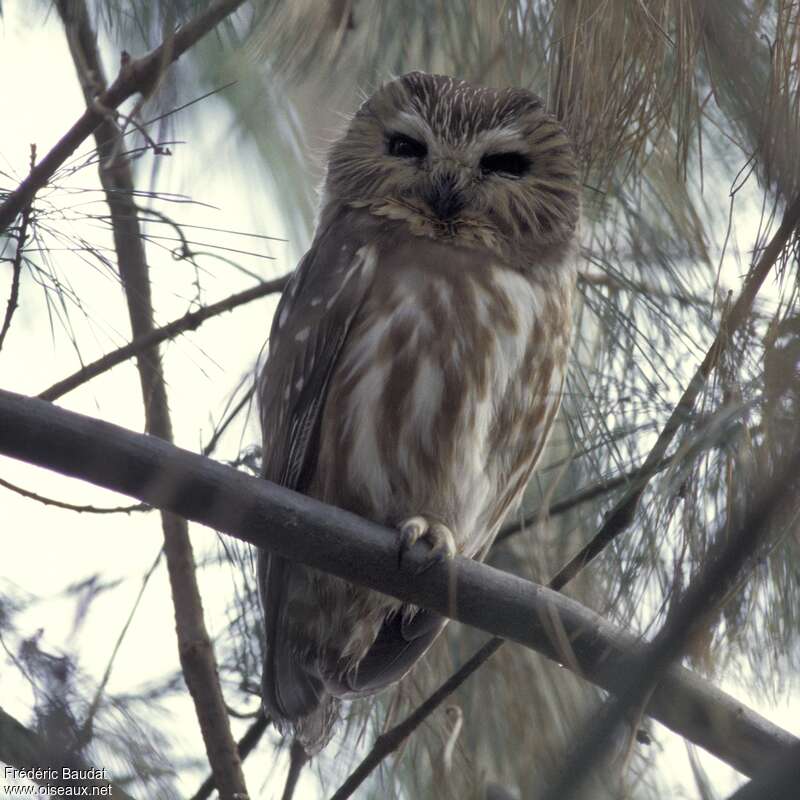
416,362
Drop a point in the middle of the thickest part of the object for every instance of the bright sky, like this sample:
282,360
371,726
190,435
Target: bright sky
47,549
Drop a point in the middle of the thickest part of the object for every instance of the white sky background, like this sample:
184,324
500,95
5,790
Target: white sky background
45,549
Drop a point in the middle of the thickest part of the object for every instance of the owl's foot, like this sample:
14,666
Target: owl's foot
438,535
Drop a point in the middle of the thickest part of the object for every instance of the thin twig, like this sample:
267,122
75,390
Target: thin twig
590,492
188,322
101,687
136,75
49,501
232,414
614,283
16,268
389,741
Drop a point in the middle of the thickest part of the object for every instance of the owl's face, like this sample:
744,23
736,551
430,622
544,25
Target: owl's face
461,157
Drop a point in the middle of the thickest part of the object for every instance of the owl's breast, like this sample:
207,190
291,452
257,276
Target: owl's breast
442,398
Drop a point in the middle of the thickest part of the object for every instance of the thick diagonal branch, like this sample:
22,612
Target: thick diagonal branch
777,780
196,653
300,528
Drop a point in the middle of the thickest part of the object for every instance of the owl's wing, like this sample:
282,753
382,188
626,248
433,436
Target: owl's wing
309,329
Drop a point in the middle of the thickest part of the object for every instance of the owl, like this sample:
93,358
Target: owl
416,362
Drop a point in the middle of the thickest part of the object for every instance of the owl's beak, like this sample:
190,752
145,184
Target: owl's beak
445,197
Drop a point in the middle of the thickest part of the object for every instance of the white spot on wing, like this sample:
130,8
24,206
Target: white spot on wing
283,317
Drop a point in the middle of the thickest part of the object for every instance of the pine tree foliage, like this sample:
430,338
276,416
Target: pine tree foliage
687,119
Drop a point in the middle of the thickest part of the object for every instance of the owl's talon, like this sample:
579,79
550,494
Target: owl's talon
438,535
411,531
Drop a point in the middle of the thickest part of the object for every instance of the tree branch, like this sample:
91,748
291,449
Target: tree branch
137,75
332,540
23,749
16,264
246,745
298,758
197,658
49,501
188,322
778,780
389,741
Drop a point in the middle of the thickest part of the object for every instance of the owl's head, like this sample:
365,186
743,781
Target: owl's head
457,157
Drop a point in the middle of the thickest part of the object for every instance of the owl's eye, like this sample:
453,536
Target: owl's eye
403,146
514,165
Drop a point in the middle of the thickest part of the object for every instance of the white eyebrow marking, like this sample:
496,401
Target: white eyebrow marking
412,124
507,137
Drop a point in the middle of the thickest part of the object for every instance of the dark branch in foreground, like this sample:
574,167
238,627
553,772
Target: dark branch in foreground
778,780
23,749
335,541
297,760
137,75
188,322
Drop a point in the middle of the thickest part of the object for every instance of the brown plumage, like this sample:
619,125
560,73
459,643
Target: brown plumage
416,363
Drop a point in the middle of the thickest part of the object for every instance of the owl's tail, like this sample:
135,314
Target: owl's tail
310,723
293,696
297,704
